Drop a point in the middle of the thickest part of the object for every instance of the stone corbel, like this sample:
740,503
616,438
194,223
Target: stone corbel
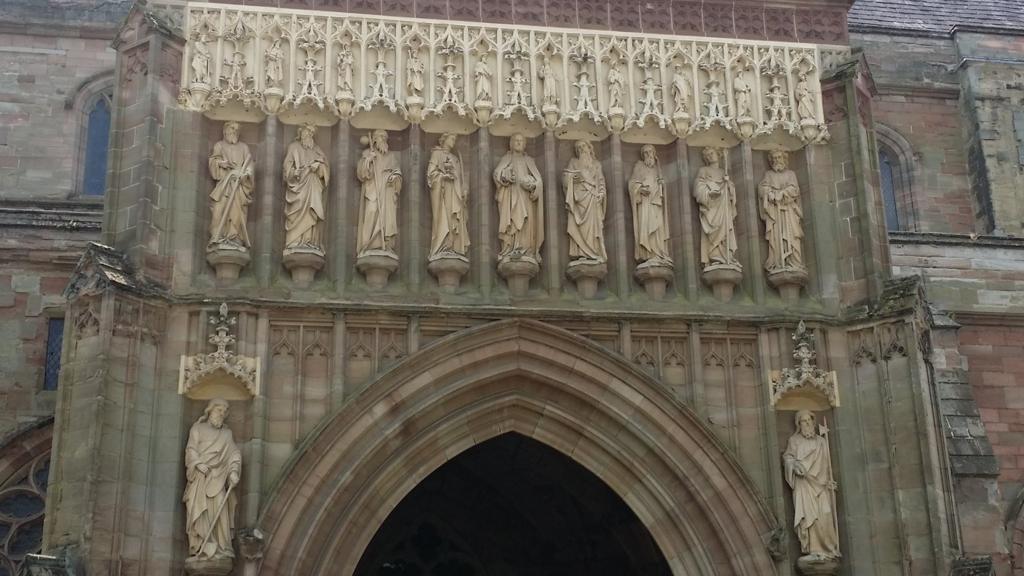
221,373
805,386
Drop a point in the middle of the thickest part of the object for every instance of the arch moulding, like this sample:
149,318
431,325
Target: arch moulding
539,381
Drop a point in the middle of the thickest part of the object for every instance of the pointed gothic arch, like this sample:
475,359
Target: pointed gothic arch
539,381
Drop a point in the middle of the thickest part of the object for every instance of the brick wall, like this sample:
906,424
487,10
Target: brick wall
39,127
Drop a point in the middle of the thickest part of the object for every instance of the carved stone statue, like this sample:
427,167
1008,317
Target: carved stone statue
615,79
379,86
808,469
343,63
649,100
782,212
231,166
447,200
520,215
273,63
449,87
584,101
680,91
549,83
379,170
804,100
716,197
782,215
414,71
715,94
741,89
213,465
585,199
482,75
306,174
201,62
650,221
776,102
449,239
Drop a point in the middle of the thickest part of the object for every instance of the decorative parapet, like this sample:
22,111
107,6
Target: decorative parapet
242,63
222,373
805,386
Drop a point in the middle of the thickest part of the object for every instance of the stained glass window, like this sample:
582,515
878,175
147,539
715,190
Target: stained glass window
22,506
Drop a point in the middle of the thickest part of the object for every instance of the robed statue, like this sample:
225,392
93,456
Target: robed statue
650,220
716,197
448,190
380,173
306,174
213,465
232,168
520,202
808,469
782,213
586,200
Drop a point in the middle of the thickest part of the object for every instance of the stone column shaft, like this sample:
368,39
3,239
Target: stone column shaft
746,189
483,196
553,267
619,255
413,258
268,204
682,231
341,251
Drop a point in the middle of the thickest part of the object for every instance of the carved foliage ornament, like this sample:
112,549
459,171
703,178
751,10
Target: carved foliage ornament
221,368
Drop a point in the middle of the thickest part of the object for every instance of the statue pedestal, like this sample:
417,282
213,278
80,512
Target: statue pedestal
517,272
228,260
272,98
377,266
723,278
586,274
303,262
209,566
814,565
655,275
449,270
788,282
198,92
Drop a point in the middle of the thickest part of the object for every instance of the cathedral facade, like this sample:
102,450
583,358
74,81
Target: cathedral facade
673,288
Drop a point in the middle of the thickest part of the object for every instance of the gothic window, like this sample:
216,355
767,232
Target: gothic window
22,504
885,162
97,145
895,171
54,342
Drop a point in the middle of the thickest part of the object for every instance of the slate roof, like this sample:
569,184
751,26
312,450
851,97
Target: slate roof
935,17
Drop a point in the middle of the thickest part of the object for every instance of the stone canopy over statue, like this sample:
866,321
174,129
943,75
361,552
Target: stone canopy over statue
808,469
213,466
519,192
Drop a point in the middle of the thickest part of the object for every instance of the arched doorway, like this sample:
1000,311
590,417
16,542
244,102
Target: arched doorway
511,506
541,382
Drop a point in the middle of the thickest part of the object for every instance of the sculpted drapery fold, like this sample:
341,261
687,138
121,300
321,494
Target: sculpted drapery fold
808,470
379,170
586,200
650,220
782,213
213,465
306,174
448,192
716,196
520,202
231,166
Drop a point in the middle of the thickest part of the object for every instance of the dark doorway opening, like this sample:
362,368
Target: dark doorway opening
512,506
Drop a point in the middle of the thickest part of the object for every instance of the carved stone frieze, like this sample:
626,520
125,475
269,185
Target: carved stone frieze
242,62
